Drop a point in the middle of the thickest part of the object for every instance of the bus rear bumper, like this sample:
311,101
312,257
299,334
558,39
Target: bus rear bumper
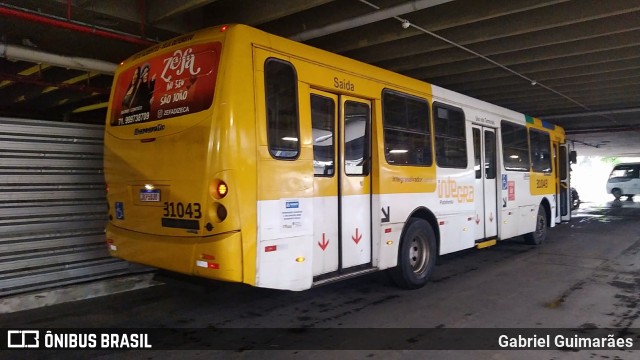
216,257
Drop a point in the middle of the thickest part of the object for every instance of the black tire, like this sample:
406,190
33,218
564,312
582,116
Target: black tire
416,256
617,193
575,199
539,235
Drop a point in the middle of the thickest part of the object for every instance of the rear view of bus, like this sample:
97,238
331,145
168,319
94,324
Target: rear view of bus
169,185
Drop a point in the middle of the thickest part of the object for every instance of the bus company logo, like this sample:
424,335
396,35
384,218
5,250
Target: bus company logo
21,339
449,189
292,204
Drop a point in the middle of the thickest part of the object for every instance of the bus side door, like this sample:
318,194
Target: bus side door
342,183
324,119
565,187
484,145
355,182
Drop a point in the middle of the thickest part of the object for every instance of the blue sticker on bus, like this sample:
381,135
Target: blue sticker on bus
504,182
292,204
119,210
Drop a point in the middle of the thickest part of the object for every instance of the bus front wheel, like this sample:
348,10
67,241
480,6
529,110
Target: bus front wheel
539,235
416,255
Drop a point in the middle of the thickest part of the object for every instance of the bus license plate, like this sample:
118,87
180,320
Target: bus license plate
149,195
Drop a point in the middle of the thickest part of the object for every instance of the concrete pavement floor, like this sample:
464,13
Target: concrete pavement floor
587,275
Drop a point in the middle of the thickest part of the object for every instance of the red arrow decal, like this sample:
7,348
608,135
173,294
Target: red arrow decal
477,219
323,245
356,238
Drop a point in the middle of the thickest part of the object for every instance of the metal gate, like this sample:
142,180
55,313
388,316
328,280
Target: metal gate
53,209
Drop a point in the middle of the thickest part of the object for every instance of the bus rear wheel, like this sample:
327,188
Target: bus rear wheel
539,235
416,256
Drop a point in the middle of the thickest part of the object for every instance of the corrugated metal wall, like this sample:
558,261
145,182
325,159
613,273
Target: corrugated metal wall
52,206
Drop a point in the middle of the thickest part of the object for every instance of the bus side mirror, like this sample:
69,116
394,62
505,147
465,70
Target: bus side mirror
573,157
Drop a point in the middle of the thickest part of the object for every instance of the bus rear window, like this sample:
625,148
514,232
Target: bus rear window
174,83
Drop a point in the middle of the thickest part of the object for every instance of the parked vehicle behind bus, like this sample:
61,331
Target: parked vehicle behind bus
624,180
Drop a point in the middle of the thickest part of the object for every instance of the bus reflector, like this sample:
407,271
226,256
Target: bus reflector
224,28
300,259
387,230
208,265
208,257
389,242
221,211
270,248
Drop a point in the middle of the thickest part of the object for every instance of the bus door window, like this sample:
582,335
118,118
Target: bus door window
323,132
489,155
356,139
477,154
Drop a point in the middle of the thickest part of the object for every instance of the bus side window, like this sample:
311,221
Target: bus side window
322,123
515,147
407,132
282,109
540,151
450,133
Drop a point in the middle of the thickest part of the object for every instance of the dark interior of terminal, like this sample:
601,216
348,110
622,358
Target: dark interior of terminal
387,178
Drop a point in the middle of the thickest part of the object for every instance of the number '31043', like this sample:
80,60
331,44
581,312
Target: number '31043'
182,210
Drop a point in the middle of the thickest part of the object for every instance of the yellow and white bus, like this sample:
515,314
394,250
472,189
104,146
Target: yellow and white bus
241,156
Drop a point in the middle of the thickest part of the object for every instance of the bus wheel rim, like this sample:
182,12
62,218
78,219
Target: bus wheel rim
418,254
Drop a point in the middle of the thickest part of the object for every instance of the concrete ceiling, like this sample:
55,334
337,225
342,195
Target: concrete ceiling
574,63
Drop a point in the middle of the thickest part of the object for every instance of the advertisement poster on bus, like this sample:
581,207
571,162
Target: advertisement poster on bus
175,83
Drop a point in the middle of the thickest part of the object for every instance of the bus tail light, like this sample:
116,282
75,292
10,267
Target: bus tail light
219,189
222,189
